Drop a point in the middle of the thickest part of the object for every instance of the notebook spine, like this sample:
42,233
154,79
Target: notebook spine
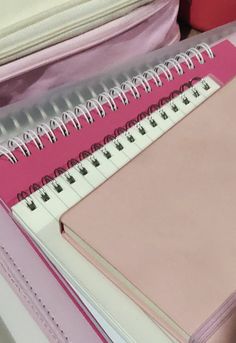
113,137
155,74
118,131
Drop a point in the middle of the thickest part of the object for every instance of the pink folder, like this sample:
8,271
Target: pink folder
163,227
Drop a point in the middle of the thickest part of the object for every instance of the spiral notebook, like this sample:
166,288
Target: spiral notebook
53,167
171,212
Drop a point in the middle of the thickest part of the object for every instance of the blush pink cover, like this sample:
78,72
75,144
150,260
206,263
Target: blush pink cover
163,227
43,162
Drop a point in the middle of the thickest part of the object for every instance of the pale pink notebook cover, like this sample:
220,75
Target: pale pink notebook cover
166,221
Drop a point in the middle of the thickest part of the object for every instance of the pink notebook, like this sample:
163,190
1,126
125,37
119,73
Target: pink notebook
163,227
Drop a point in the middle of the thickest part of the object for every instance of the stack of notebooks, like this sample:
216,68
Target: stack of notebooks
131,197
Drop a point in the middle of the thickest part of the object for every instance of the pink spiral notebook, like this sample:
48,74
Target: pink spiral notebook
53,167
222,66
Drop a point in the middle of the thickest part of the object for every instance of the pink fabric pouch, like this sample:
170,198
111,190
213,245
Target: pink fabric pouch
146,28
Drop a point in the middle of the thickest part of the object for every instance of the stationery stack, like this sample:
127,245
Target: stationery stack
128,199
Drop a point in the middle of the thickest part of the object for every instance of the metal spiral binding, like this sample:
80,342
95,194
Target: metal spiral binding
114,137
109,98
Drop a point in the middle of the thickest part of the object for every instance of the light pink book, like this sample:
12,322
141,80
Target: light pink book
163,227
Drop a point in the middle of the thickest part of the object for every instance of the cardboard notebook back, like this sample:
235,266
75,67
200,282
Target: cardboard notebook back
163,227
